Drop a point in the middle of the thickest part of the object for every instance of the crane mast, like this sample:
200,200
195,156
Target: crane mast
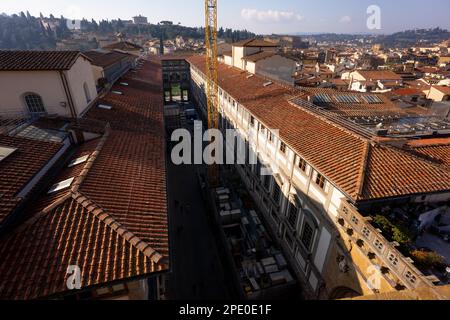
212,96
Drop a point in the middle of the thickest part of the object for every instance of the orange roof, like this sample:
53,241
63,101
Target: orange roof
408,92
259,56
20,167
11,60
358,166
372,75
445,90
112,220
254,43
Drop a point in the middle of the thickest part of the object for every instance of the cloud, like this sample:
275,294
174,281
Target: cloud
346,19
270,15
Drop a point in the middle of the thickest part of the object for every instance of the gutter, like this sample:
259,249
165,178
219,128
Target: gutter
68,93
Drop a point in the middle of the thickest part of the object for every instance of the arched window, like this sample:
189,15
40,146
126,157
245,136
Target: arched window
87,93
34,103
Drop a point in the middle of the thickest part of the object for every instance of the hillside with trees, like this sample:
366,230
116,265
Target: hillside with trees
25,32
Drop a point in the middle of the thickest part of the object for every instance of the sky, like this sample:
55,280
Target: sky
259,16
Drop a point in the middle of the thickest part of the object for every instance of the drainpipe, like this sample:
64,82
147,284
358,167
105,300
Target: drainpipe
68,94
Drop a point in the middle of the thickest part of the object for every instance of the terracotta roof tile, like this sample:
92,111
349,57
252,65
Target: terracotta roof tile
37,60
254,43
338,153
259,56
112,221
105,59
20,167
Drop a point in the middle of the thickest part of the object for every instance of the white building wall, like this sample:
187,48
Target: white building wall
47,84
81,73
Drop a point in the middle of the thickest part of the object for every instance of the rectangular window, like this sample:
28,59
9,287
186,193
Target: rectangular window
271,137
283,147
252,121
292,216
302,164
320,181
289,240
262,128
307,235
276,193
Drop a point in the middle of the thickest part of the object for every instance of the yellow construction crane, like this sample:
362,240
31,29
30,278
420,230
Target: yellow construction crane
212,76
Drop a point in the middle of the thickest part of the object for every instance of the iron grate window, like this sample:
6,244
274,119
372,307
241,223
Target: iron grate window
307,236
34,103
276,193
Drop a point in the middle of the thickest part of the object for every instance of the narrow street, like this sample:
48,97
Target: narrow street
197,272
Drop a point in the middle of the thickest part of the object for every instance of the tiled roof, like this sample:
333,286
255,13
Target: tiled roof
254,43
123,45
112,221
20,167
437,149
105,59
444,89
379,75
408,92
259,56
37,60
348,160
363,108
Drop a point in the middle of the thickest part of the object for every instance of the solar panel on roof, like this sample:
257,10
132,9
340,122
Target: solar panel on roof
372,99
347,99
322,98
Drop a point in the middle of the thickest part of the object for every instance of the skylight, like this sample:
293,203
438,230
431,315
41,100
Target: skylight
61,186
104,106
117,92
6,152
124,84
268,83
77,161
